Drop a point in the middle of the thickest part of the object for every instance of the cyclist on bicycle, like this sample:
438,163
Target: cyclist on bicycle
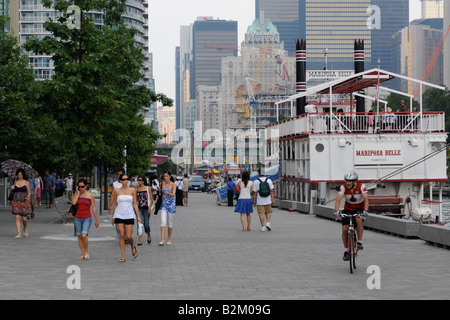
356,200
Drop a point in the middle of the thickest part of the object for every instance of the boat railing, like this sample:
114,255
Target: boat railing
362,123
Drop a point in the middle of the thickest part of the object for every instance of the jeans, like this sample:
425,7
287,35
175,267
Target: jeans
82,225
49,196
145,217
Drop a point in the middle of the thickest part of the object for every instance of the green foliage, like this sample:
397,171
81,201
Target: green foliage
94,95
438,100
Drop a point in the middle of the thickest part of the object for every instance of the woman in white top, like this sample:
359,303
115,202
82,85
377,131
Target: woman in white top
125,211
244,205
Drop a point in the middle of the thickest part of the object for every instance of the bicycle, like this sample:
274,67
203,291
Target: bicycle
352,237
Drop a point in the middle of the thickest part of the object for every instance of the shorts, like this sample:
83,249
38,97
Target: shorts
346,220
264,210
124,221
33,200
185,194
82,225
166,219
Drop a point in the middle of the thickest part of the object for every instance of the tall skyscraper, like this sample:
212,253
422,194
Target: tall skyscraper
394,15
211,41
330,28
414,47
288,16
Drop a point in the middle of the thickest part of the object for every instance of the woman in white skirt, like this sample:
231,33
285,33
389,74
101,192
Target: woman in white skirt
244,205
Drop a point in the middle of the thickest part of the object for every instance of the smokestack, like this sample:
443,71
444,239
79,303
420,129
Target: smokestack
301,74
359,67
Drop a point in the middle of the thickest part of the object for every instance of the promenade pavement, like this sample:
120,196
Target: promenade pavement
211,258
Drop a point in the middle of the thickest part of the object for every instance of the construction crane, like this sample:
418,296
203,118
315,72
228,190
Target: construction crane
246,108
432,61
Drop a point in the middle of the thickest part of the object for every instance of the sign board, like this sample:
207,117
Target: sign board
378,154
328,74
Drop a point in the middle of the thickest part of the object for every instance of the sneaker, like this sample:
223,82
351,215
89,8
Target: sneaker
360,245
262,229
346,256
268,226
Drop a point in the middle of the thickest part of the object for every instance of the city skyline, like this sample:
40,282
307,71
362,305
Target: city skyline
162,44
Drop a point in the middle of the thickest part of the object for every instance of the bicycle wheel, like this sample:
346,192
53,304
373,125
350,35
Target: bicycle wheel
350,250
355,250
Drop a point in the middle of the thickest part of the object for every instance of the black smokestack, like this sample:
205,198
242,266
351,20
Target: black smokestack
359,67
301,74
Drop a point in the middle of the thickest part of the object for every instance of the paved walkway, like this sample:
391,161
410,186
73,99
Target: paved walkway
211,259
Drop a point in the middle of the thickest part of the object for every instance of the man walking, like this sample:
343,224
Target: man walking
263,198
49,188
230,191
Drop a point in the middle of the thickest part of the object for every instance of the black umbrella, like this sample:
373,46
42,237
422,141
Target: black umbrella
10,167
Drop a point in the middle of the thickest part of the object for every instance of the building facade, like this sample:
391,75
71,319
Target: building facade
262,75
28,18
432,9
166,119
330,28
414,47
288,16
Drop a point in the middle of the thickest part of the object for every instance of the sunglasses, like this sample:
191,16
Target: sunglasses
81,187
124,179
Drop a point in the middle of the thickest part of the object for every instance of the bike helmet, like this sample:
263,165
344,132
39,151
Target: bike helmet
351,176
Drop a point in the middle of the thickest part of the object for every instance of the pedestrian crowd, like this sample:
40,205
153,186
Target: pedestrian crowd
129,204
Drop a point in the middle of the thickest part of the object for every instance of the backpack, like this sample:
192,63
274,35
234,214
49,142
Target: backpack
264,188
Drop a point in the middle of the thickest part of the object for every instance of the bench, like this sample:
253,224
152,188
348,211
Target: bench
62,205
389,205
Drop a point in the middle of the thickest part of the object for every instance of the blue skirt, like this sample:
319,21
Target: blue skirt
244,206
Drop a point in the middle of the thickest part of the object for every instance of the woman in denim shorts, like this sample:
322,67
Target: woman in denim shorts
85,201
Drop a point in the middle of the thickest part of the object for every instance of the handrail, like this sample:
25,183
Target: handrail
361,122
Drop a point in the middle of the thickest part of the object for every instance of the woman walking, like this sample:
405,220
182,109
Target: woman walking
168,208
145,202
85,202
244,205
21,202
125,211
39,189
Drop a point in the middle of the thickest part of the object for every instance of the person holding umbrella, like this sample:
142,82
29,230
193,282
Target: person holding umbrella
21,203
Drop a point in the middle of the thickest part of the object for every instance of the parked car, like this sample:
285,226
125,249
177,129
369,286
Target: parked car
197,183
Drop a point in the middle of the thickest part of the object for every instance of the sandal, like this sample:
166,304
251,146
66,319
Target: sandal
161,243
122,260
135,254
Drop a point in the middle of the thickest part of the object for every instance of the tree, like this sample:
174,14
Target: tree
438,100
94,96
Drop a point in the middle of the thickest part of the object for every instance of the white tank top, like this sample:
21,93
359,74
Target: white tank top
124,208
245,191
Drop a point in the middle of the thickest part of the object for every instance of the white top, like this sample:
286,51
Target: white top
262,201
124,208
245,191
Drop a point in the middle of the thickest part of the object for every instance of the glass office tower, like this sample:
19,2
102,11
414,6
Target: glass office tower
288,16
394,16
330,28
211,40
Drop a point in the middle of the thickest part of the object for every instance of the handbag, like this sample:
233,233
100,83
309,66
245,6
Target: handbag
73,210
11,195
238,188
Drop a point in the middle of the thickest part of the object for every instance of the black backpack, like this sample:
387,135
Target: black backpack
264,188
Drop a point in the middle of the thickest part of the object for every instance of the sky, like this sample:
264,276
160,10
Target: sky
167,16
